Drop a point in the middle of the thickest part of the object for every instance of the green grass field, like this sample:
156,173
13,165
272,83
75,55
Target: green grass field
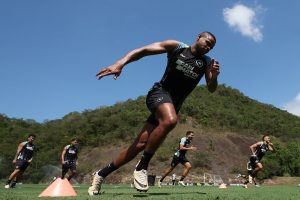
125,192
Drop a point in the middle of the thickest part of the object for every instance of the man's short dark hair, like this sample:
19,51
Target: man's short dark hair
263,138
31,135
189,132
209,33
73,139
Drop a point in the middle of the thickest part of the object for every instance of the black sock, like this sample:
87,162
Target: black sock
107,170
8,182
144,162
62,176
182,177
13,184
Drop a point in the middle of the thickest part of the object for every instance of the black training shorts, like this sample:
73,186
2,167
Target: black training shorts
69,165
254,160
22,164
157,96
181,159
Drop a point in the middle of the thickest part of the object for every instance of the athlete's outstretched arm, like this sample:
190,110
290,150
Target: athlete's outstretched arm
30,160
182,147
77,159
63,155
271,147
136,54
20,147
253,147
211,75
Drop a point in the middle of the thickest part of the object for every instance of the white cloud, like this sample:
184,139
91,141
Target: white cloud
244,20
293,106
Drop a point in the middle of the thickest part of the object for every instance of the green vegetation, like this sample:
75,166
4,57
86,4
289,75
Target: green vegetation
124,192
229,109
225,110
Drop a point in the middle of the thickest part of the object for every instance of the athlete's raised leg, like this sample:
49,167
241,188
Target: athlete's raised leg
167,120
124,157
166,173
12,177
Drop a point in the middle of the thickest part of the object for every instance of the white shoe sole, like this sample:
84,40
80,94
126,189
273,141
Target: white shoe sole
140,187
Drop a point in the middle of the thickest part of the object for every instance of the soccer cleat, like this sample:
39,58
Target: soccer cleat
245,186
181,183
140,180
96,185
7,186
256,185
159,183
250,179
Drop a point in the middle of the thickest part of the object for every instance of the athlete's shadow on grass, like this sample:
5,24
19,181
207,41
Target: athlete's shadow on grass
163,194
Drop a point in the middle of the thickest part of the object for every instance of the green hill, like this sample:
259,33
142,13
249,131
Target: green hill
226,123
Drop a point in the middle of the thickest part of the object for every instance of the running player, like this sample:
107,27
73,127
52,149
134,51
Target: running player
254,165
69,157
179,157
186,66
22,160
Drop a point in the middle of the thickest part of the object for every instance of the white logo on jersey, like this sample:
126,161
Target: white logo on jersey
182,55
72,151
186,69
199,63
30,148
159,99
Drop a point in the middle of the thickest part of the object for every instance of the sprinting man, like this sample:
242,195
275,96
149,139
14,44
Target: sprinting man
69,159
186,65
22,160
179,157
254,165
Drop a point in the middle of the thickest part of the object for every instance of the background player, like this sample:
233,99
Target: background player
69,159
179,157
258,150
22,160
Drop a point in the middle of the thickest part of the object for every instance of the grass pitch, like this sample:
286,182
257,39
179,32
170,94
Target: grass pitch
125,192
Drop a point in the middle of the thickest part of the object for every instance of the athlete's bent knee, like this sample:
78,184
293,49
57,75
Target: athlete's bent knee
141,145
170,122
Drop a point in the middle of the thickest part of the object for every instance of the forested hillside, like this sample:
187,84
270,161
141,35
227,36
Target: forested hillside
225,111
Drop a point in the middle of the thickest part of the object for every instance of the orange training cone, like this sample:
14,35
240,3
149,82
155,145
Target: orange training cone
59,188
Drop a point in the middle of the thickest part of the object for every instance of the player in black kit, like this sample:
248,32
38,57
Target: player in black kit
22,160
258,151
179,157
186,65
69,157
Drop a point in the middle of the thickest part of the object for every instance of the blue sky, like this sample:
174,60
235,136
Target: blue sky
51,50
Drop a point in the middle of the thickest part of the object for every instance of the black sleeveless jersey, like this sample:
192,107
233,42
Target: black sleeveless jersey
27,151
71,153
186,143
183,72
261,149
